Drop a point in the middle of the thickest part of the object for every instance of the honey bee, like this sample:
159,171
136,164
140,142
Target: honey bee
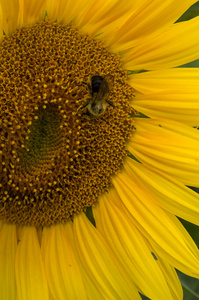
99,88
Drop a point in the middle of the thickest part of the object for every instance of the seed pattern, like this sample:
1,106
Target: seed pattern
54,162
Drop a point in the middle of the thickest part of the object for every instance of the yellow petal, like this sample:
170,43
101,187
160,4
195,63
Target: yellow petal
167,49
177,106
168,271
63,274
104,17
96,10
1,224
8,245
187,269
100,263
171,94
1,24
30,275
166,191
30,12
91,290
132,249
10,10
169,146
165,233
64,11
143,21
171,278
176,80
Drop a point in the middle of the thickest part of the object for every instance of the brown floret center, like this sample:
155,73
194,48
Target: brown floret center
54,162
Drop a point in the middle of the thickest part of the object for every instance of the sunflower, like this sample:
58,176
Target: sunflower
98,149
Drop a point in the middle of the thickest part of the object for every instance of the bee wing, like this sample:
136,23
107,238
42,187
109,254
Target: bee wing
110,80
104,89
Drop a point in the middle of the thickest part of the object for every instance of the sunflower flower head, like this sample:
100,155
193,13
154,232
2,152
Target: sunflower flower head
98,146
56,162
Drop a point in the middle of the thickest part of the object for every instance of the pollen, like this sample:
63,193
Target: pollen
54,163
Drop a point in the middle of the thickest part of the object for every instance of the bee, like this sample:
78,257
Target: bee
99,89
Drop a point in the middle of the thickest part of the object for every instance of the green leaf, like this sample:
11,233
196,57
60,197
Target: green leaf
192,229
190,286
192,12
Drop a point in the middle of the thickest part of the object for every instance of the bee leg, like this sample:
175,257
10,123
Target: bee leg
88,85
87,115
83,106
110,103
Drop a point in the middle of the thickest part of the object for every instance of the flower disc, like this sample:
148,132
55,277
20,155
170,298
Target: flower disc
54,161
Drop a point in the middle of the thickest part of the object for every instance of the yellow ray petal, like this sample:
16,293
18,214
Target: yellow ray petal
187,270
30,275
164,231
171,94
63,274
131,249
179,107
19,232
91,290
64,11
10,11
30,12
68,228
171,277
104,16
143,21
100,263
1,24
168,271
1,224
167,49
188,176
8,245
166,191
175,80
96,10
169,146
